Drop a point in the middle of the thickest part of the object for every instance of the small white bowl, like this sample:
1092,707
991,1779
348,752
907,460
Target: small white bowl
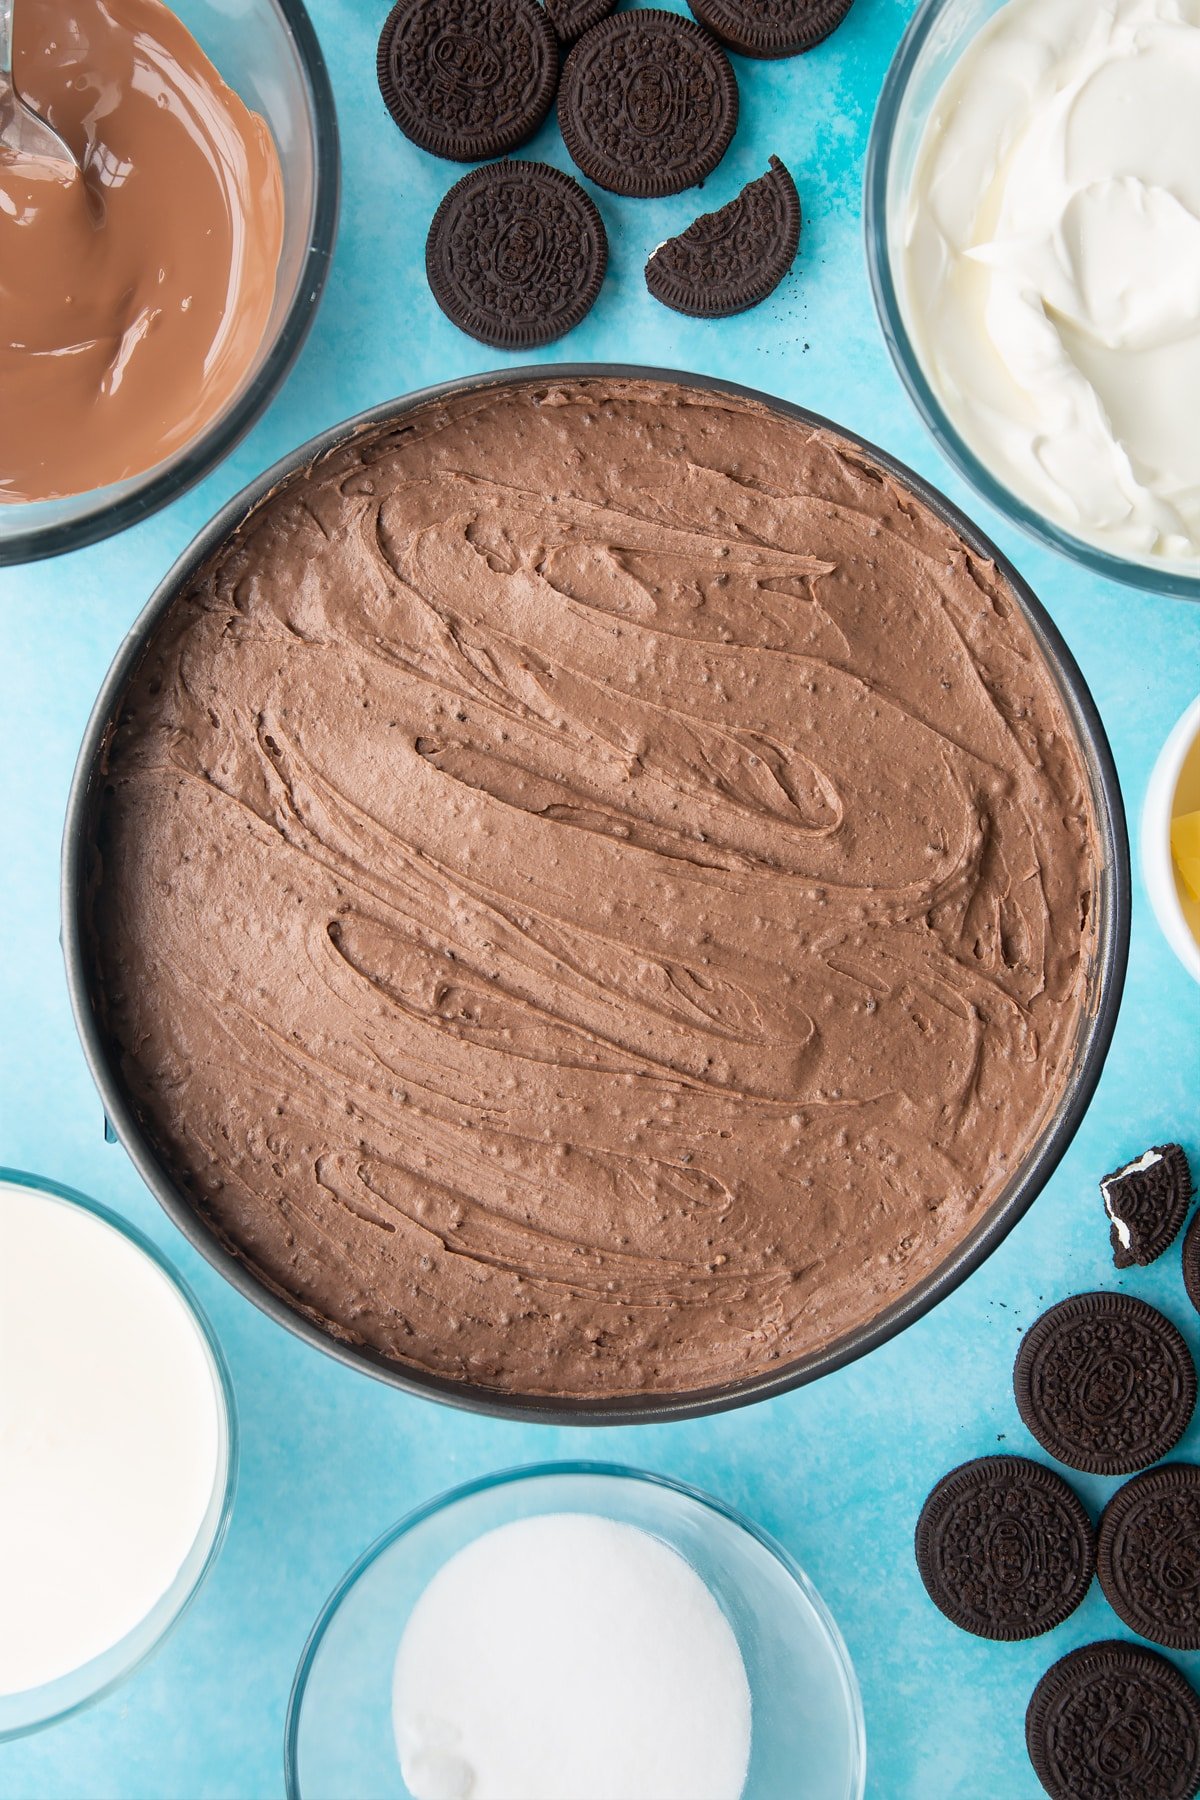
1174,788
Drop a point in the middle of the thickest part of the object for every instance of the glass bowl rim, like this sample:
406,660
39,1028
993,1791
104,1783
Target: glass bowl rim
571,1469
1166,578
165,482
227,1413
1159,875
1095,1032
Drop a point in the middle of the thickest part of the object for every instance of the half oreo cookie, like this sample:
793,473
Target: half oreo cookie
467,79
1114,1721
647,103
1149,1555
732,259
516,254
1005,1548
770,28
1147,1202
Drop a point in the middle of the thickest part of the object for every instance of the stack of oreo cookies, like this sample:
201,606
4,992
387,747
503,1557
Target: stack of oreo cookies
1006,1549
647,104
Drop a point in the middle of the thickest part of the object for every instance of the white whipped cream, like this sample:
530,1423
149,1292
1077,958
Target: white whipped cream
1051,264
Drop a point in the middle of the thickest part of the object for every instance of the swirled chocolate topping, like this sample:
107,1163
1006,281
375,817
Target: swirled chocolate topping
594,890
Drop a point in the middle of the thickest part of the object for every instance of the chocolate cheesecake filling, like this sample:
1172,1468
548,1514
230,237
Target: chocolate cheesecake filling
594,889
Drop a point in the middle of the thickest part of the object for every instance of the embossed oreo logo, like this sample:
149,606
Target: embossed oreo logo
1126,1747
1175,1564
655,101
1010,1552
1104,1384
465,62
520,250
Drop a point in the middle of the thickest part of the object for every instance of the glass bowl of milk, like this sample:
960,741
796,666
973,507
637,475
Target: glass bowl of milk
575,1631
118,1450
1032,212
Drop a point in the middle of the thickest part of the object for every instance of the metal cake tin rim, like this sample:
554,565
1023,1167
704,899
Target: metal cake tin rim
1110,956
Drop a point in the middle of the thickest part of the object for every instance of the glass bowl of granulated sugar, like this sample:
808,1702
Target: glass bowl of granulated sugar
575,1631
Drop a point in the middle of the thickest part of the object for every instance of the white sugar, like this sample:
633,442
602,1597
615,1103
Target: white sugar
570,1657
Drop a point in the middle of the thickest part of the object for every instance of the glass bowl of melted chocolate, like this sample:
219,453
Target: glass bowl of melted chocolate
153,298
593,893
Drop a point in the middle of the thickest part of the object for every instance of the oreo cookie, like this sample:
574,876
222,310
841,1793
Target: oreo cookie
516,254
1004,1547
732,259
770,28
1149,1555
1147,1202
467,79
647,103
571,18
1114,1721
1105,1383
1191,1262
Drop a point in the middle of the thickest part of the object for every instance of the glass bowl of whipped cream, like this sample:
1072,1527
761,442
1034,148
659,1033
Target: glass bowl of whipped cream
1033,236
575,1631
154,293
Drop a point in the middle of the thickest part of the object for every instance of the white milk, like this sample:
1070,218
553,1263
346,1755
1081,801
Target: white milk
569,1657
109,1436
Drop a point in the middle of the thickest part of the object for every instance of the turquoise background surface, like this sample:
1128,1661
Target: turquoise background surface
330,1458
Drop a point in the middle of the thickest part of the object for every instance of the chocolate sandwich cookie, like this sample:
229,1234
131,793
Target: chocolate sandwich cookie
770,28
1191,1262
516,254
1005,1548
647,104
467,79
1114,1721
571,18
729,260
1149,1555
1105,1383
1147,1202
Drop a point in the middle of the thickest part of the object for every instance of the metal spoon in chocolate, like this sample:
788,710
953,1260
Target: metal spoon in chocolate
24,136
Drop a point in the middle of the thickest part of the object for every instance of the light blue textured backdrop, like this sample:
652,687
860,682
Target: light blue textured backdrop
837,1471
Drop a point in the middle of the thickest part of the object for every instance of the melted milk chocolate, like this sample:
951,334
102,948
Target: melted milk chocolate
594,889
132,301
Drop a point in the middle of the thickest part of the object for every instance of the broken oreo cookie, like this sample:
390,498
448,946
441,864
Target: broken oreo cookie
467,79
1147,1202
1149,1555
770,28
731,259
516,254
1105,1383
1005,1548
1114,1721
647,103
